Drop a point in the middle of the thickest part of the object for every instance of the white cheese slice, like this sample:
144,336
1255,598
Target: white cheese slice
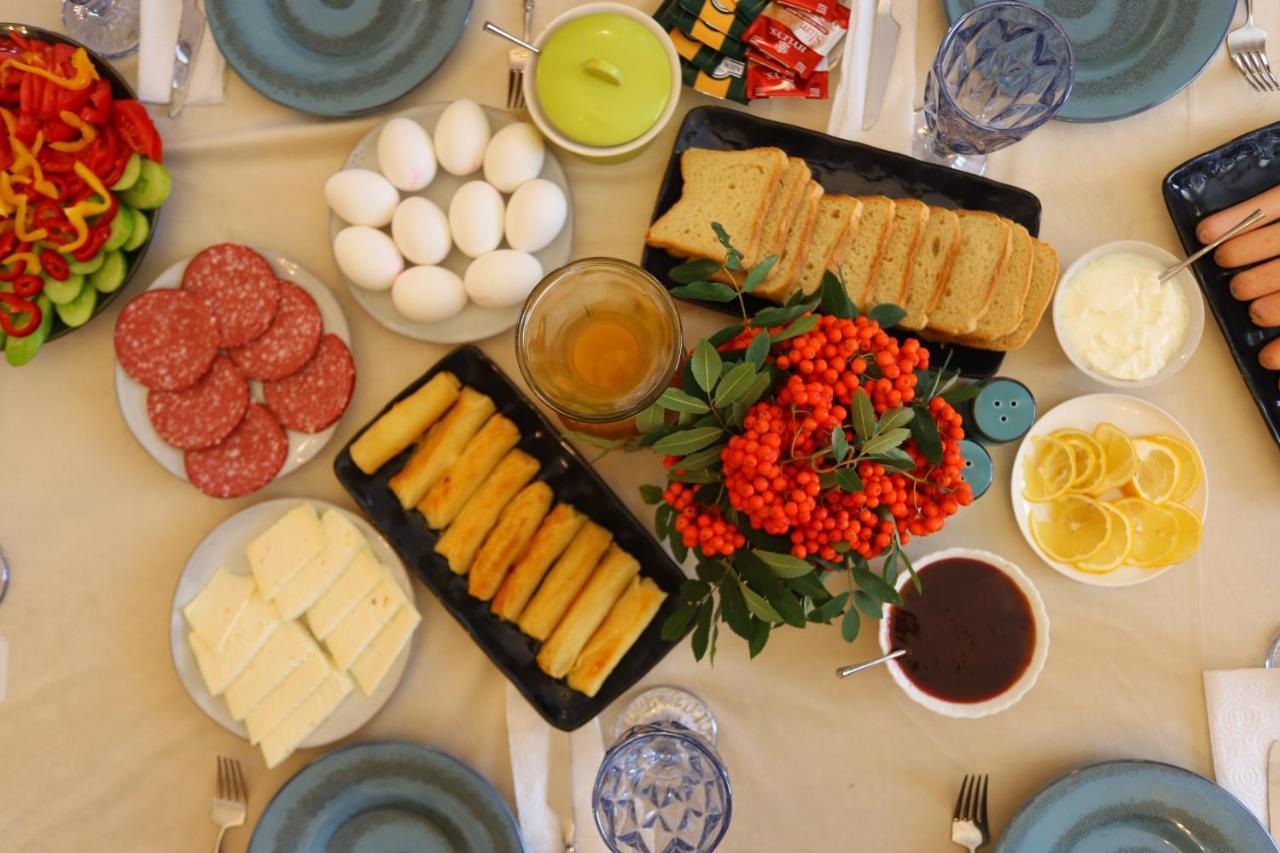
360,576
254,626
285,547
281,741
375,661
342,540
284,652
279,703
362,624
212,613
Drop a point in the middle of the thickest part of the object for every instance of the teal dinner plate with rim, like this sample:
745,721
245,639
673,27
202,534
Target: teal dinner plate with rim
1130,55
1133,805
336,57
386,797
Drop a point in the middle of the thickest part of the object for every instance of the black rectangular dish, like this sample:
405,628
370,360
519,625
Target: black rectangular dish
1231,173
848,167
573,481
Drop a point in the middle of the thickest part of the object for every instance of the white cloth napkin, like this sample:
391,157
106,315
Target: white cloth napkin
1244,720
586,746
159,36
892,130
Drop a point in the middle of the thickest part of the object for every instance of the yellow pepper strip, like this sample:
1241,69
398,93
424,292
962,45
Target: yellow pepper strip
76,218
20,224
10,121
25,161
89,207
87,134
84,75
28,258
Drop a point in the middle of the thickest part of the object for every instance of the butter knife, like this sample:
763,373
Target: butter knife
1273,790
190,32
884,44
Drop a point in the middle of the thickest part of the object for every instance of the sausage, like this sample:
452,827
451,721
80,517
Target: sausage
1256,281
1249,248
1270,355
1215,225
1265,310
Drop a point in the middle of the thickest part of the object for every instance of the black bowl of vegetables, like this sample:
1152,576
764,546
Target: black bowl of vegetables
81,184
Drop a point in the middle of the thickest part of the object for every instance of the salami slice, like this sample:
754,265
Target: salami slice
290,340
238,286
316,396
204,414
166,339
244,461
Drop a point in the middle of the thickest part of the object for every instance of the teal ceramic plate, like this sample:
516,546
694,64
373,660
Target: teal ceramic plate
386,797
336,57
1133,805
1131,55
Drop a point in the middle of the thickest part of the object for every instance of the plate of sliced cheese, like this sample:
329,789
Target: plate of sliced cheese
291,624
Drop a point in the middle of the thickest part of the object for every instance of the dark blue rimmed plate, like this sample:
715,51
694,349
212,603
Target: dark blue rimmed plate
1133,805
1130,55
336,57
386,797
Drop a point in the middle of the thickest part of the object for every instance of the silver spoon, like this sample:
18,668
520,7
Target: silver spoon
1273,654
1233,231
4,575
846,671
491,27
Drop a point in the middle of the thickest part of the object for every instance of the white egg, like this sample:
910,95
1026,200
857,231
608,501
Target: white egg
514,155
502,278
361,197
428,294
421,231
405,154
535,215
461,136
475,218
367,257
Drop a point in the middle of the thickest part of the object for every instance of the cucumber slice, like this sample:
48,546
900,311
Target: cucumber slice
121,228
129,177
62,292
86,267
18,351
111,275
78,311
141,230
152,187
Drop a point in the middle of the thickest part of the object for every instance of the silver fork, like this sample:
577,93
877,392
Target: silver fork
229,803
517,59
969,822
1248,48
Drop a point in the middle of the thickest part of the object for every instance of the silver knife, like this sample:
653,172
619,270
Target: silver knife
884,44
190,33
1273,790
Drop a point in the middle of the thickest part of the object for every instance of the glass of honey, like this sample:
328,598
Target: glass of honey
598,340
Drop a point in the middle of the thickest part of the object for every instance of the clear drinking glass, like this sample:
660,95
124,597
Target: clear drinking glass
107,27
662,788
1004,69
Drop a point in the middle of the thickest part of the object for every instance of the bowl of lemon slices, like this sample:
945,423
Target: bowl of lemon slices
1110,490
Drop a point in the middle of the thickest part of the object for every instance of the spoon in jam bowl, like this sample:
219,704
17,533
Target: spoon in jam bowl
1204,250
846,671
491,27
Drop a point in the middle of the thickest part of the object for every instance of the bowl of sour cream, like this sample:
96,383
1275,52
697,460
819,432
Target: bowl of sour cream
1118,323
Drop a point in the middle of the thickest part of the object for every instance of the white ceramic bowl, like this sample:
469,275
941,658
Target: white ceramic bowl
596,152
1195,312
1007,699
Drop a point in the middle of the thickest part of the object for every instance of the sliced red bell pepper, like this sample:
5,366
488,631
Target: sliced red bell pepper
18,307
97,109
98,235
54,264
131,120
28,286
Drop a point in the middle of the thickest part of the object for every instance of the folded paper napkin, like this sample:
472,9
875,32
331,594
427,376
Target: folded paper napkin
1244,720
893,129
158,38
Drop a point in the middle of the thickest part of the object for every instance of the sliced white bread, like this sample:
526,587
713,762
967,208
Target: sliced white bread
967,294
1044,278
931,265
1011,289
858,268
837,215
779,284
894,270
787,201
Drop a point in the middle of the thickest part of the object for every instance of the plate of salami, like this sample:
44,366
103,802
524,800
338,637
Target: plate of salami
233,368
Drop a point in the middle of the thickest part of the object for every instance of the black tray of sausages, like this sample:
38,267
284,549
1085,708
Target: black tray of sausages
848,167
1227,175
573,481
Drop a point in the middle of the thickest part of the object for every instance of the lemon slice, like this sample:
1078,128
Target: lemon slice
1075,528
1189,472
1114,550
1187,539
1087,454
1119,460
1049,469
1155,531
1156,477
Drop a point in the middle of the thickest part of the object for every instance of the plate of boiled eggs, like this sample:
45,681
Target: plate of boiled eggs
445,217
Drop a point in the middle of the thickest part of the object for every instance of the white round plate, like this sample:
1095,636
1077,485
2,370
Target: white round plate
225,546
1136,417
132,395
474,323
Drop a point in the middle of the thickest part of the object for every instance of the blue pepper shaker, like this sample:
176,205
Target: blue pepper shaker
978,471
1003,411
